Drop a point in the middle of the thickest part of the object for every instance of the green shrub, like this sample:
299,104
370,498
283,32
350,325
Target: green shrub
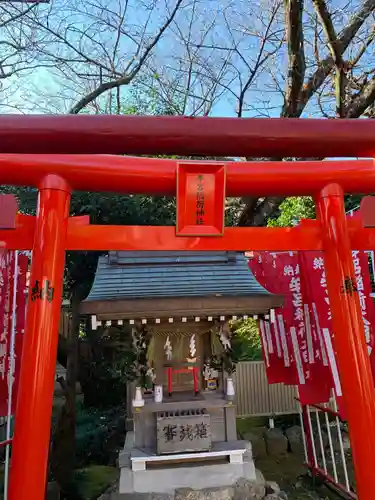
246,344
94,480
99,435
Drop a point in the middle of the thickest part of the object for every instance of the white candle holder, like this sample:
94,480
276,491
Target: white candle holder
158,393
230,392
138,400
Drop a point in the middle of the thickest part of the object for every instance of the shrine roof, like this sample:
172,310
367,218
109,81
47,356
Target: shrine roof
169,276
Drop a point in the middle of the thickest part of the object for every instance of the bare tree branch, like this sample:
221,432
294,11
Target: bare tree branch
18,40
299,93
296,56
336,50
362,101
261,58
126,78
362,50
344,39
334,44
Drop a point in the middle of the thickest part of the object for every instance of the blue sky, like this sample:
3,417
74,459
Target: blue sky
37,91
237,22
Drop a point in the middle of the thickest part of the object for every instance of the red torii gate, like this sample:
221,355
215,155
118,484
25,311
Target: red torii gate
52,232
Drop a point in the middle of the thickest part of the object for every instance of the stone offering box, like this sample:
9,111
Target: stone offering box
183,431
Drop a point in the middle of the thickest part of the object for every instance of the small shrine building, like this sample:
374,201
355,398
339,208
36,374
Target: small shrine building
178,307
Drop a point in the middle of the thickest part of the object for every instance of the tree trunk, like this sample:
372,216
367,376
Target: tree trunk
90,358
63,443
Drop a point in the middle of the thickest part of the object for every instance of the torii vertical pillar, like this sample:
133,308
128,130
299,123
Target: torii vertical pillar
31,443
349,337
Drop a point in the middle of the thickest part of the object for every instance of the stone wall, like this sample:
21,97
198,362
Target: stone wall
278,442
274,442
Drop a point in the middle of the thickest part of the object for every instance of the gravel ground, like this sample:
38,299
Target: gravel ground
292,478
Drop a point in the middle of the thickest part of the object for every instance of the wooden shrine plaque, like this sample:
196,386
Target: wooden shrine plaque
181,433
200,199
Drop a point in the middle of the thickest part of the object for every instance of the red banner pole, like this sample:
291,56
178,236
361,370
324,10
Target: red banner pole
31,442
349,336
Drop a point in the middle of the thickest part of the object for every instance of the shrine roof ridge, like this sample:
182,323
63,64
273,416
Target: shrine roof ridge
134,275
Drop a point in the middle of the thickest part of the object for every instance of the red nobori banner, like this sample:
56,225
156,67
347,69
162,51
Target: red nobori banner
288,344
363,282
322,362
277,351
318,302
5,298
10,365
307,322
318,297
313,387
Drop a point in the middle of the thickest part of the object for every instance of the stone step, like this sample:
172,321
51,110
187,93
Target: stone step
233,450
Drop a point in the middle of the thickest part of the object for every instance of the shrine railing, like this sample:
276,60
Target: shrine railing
327,447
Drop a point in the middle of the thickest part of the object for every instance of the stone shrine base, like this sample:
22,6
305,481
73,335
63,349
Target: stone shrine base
241,490
145,472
